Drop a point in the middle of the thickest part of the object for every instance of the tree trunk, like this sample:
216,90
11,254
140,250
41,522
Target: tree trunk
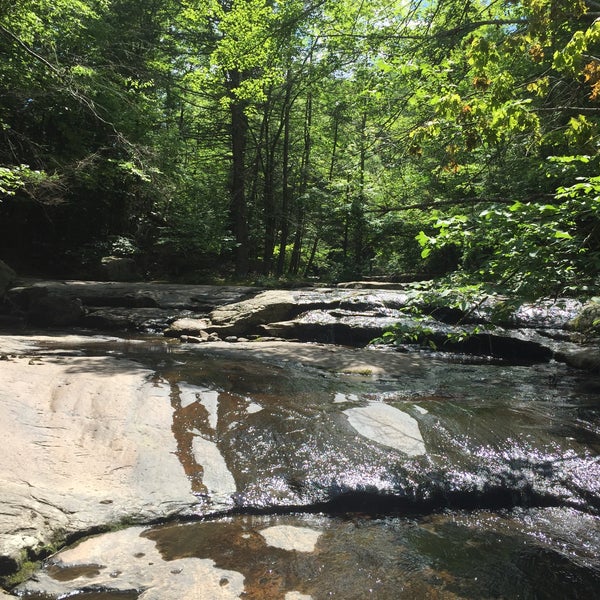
238,209
357,207
285,194
304,175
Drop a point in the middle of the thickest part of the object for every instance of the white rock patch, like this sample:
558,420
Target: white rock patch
288,537
217,478
124,560
389,426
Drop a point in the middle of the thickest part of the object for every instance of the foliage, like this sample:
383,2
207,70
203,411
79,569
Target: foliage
531,247
329,138
19,177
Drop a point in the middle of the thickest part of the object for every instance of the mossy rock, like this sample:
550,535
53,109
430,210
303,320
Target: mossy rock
588,320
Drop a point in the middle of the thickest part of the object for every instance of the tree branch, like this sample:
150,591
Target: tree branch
432,204
29,51
582,109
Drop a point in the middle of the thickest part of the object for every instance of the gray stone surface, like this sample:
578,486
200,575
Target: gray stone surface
119,268
588,319
136,295
187,326
241,317
86,444
126,560
54,310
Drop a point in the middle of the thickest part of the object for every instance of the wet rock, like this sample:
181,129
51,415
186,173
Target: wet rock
541,553
545,313
195,339
587,359
128,561
389,426
128,319
274,427
94,433
382,285
352,329
328,331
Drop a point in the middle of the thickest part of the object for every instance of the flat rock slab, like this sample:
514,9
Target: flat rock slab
336,359
135,295
87,442
95,441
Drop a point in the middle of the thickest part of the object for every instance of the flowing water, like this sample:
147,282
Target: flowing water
436,480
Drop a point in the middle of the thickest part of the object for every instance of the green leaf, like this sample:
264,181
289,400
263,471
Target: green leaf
562,235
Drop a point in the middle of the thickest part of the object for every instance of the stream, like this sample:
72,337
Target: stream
435,478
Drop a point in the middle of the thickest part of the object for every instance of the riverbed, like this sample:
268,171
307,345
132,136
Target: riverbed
287,470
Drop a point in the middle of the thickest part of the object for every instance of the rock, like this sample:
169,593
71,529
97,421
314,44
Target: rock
129,319
120,306
192,339
545,313
306,557
587,359
88,441
389,426
196,298
119,268
241,317
54,310
187,326
351,329
335,332
126,560
231,338
588,319
7,278
219,429
398,284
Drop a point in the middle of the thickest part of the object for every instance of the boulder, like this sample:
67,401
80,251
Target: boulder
119,268
54,310
243,317
187,326
588,319
587,359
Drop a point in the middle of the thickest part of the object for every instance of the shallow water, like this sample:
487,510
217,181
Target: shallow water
540,553
439,480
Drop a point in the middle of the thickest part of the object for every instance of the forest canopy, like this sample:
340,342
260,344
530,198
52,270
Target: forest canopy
326,138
